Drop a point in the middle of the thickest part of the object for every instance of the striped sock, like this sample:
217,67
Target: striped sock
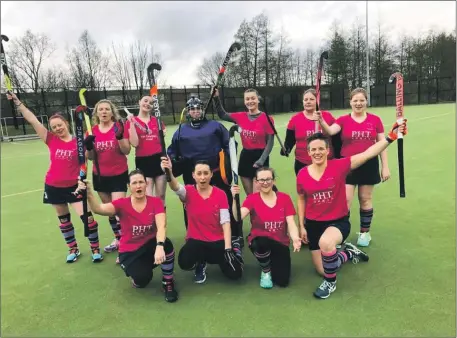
168,267
365,219
264,260
343,257
331,265
93,232
67,230
115,226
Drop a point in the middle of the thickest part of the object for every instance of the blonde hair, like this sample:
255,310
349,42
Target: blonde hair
358,91
116,117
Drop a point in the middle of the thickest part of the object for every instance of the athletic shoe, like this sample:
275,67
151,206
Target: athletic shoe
200,273
265,280
96,256
73,255
135,286
171,294
357,254
114,246
325,289
364,239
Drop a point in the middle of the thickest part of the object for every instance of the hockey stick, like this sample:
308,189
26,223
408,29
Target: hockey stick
155,106
7,79
178,150
233,48
274,129
399,115
320,66
79,117
87,114
234,165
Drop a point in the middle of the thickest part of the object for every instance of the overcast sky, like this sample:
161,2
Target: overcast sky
185,32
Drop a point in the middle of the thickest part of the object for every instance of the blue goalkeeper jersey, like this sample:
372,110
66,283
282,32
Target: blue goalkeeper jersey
200,143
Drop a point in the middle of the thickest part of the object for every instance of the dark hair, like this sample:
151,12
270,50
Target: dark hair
203,162
136,172
252,90
317,136
271,170
310,90
358,91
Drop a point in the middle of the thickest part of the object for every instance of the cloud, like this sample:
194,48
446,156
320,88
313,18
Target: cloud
186,32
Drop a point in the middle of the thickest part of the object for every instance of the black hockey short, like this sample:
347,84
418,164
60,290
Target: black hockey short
315,230
57,195
109,184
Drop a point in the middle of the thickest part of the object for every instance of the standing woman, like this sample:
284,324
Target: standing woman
143,134
144,244
208,238
322,206
272,222
62,179
111,148
257,136
359,131
301,126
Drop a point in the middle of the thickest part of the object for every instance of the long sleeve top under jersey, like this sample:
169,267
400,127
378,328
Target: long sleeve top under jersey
223,115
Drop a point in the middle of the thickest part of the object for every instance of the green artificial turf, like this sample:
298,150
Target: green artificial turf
406,289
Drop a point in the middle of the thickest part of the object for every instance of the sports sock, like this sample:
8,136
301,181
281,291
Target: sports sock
168,266
115,226
68,231
331,265
93,231
365,219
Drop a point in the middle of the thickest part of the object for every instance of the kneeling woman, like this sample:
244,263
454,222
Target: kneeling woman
208,238
143,245
321,188
272,217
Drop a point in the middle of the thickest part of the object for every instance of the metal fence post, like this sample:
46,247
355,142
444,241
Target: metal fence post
172,104
123,95
437,90
418,91
105,93
43,96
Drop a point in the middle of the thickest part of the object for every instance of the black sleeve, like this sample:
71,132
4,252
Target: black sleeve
223,115
289,143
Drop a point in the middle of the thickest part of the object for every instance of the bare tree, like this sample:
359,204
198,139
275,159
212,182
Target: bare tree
53,79
27,56
121,68
88,65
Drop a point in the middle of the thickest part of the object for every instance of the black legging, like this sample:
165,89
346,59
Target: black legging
280,263
195,251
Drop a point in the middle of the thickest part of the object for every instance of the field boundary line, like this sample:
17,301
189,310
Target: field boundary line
22,193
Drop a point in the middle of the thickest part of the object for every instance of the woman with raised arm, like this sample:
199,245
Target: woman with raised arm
143,134
208,238
143,245
272,224
322,207
257,136
301,126
360,130
62,179
111,148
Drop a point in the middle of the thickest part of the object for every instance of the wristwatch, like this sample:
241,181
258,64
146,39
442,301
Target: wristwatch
160,243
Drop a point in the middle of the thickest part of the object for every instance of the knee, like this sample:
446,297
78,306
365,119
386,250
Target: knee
185,262
260,245
142,279
234,274
326,244
365,199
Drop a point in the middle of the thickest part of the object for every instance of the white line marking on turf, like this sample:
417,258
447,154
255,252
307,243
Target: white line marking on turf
22,193
23,155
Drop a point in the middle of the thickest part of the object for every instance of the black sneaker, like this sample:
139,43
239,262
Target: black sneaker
200,273
325,289
357,254
171,294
